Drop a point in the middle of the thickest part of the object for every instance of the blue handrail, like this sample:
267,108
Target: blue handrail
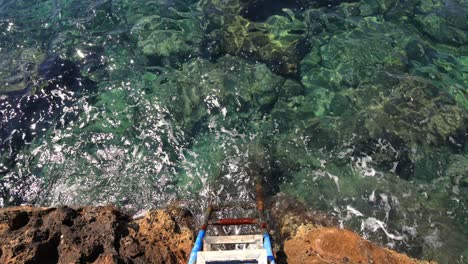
267,246
197,247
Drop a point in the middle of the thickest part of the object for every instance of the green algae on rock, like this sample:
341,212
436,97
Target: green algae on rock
179,36
19,69
275,42
340,103
415,111
229,86
353,57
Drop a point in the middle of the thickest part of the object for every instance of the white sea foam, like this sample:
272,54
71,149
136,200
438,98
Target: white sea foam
372,224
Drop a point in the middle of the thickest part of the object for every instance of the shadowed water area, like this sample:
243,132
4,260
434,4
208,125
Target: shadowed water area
357,108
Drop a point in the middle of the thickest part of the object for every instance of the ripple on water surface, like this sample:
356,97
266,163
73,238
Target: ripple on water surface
357,108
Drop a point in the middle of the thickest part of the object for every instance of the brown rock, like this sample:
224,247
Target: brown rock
288,214
106,235
334,245
92,235
167,243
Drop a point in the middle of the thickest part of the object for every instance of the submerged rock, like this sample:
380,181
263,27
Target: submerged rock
414,117
172,37
443,21
287,215
414,111
229,86
441,31
44,104
277,40
19,69
353,57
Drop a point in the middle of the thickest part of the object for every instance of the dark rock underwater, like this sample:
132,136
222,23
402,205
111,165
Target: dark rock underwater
357,108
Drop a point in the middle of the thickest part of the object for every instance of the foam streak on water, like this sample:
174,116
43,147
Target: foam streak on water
357,108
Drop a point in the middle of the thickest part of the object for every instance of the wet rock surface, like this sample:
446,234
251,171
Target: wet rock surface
358,108
107,235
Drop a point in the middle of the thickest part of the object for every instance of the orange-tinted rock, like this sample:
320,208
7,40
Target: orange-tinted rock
106,259
288,214
334,245
166,243
92,235
107,235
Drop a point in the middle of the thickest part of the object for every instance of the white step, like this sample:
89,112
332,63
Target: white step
256,255
256,240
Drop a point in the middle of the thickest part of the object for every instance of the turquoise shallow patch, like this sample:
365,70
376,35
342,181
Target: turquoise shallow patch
358,109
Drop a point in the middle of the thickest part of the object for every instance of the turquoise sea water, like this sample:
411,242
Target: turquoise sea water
357,108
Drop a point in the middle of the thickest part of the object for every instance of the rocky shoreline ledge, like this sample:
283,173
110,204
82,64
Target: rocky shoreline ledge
105,234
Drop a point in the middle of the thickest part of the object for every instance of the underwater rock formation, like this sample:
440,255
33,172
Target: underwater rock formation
277,41
229,86
46,103
443,22
343,145
173,36
338,103
32,112
353,57
287,215
19,70
413,114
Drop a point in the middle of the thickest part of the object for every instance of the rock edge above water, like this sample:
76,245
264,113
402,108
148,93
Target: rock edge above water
107,235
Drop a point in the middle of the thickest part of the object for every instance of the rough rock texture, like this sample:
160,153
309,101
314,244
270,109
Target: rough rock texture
106,235
288,214
334,245
93,235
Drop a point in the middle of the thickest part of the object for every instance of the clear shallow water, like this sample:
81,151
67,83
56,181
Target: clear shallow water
357,108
